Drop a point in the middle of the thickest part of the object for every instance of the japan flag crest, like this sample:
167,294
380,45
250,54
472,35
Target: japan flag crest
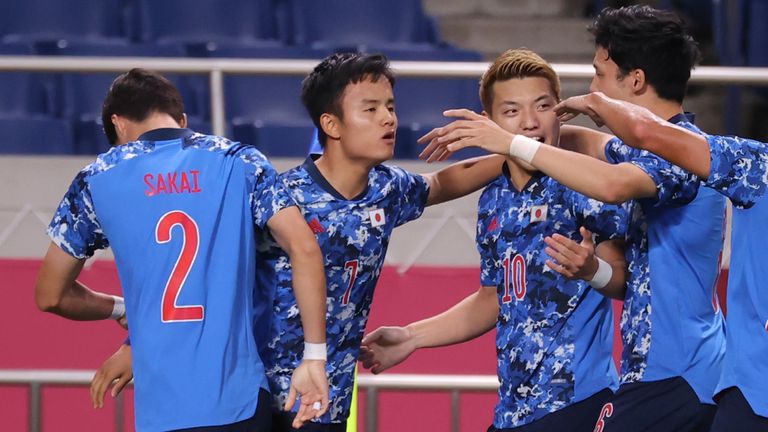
377,217
538,213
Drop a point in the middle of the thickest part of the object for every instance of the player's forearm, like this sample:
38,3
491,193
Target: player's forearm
77,302
640,128
586,175
309,288
583,140
612,252
470,318
462,178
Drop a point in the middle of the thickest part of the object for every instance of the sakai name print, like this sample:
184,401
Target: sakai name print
172,182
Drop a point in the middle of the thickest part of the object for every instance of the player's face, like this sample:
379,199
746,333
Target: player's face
608,78
367,130
524,107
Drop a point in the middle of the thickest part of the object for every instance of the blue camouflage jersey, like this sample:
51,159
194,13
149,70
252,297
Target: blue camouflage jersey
179,210
671,324
739,171
353,235
554,336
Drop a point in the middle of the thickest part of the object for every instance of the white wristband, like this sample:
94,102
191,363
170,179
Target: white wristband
523,148
118,309
602,275
315,351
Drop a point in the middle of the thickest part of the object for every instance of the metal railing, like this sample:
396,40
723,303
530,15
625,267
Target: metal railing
216,68
35,380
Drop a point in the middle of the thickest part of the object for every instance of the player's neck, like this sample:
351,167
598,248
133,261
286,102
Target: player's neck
348,178
519,174
663,108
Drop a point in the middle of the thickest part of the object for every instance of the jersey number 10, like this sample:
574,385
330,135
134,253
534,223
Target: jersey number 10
170,311
514,274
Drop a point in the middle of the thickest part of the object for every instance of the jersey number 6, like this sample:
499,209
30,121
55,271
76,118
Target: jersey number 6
170,311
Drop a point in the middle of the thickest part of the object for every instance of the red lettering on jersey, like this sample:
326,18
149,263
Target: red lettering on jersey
148,179
185,184
161,186
196,189
494,224
316,226
172,182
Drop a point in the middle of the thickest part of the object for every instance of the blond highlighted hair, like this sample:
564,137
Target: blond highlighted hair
516,64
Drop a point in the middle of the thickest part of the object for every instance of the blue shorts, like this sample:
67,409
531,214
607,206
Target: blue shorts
735,414
668,405
578,417
281,422
260,422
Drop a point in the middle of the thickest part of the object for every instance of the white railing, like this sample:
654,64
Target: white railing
216,68
372,384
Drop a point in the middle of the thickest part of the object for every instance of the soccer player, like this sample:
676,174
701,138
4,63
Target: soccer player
553,334
352,203
737,168
672,328
179,210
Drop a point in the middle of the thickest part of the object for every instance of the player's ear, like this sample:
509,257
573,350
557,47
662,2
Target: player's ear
184,121
120,126
330,124
637,77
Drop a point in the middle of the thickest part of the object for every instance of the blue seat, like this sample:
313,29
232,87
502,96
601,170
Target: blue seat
178,21
348,24
35,135
420,104
45,20
81,95
22,93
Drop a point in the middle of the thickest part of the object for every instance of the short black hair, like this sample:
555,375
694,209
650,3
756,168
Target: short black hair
323,88
136,94
655,41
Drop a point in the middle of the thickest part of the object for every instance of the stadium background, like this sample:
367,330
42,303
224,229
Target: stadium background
50,126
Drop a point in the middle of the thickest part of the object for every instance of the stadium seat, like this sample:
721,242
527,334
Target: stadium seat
81,94
48,20
349,25
35,135
22,93
248,22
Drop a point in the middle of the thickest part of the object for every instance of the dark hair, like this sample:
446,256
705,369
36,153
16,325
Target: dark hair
136,94
323,88
655,41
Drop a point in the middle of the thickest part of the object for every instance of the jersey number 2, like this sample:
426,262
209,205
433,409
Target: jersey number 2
514,274
170,311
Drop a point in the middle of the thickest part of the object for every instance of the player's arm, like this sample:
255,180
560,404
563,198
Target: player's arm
582,261
309,380
612,183
584,140
638,127
58,291
388,346
462,178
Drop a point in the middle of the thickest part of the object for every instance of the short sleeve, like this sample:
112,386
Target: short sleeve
414,191
488,227
674,185
267,195
75,227
739,169
606,221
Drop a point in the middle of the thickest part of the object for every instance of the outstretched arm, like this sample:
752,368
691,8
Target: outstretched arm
462,178
612,183
388,346
58,291
309,380
640,128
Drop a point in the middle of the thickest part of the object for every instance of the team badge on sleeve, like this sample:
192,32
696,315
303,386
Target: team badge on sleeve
539,213
377,217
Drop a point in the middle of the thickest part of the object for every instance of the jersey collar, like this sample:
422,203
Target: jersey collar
317,176
683,117
165,134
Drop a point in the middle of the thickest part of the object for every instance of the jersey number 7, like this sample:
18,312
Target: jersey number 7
170,311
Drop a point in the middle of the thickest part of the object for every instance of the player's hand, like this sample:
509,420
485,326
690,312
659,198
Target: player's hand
470,130
123,322
310,384
570,108
115,371
574,260
386,347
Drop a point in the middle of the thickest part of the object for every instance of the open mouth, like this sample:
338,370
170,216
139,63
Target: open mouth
389,136
537,138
